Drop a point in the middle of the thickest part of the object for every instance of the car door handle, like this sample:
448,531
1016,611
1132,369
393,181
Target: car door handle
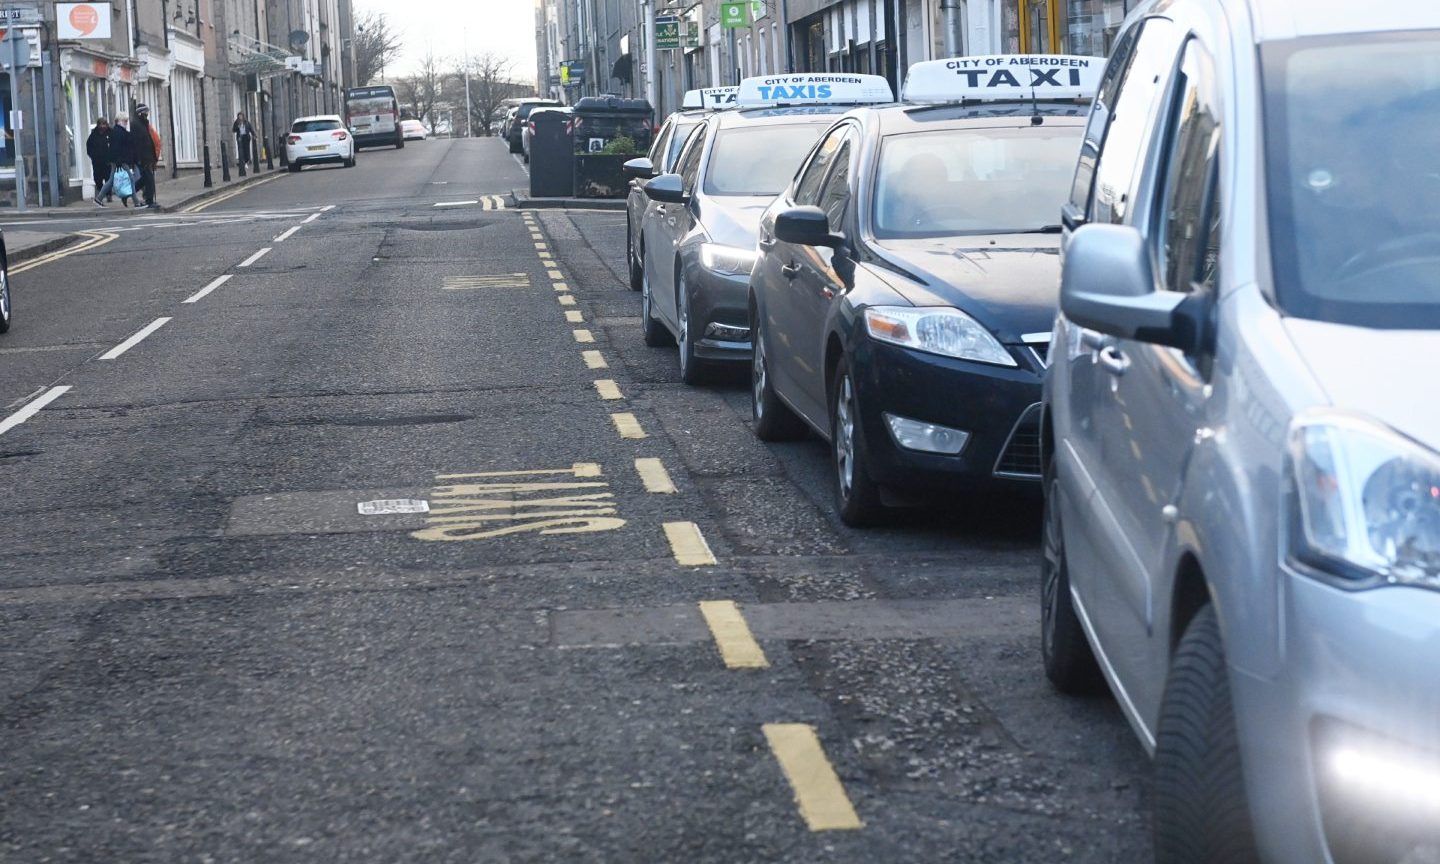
790,271
1113,360
766,242
1092,340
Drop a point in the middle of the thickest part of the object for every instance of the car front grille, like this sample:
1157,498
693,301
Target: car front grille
1020,457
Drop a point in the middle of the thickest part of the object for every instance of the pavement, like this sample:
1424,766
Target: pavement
350,519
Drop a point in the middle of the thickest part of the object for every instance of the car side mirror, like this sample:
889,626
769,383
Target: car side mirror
638,169
667,189
806,226
1108,285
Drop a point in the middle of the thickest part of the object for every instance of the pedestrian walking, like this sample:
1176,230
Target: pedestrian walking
122,161
147,153
97,147
244,140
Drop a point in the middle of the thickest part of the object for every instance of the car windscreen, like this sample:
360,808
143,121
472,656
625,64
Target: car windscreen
988,180
1351,126
758,160
315,125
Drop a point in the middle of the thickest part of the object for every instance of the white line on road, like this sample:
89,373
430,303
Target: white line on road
200,295
456,203
134,340
286,233
327,208
311,218
32,408
521,163
256,257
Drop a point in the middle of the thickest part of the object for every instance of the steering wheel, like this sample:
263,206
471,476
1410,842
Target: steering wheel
1389,253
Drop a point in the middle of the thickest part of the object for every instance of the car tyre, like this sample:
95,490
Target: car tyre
514,148
774,421
400,142
1069,662
1201,811
637,274
350,163
857,497
7,310
693,370
656,336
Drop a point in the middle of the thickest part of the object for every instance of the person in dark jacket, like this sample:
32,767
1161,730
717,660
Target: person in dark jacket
145,155
122,155
97,147
244,135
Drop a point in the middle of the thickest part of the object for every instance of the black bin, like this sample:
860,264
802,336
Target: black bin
552,156
598,124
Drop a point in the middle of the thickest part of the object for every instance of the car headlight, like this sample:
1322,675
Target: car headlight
938,330
729,260
1365,502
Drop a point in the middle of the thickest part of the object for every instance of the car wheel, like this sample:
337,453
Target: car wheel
774,421
857,496
656,336
400,143
1069,663
637,275
514,148
1201,811
693,369
6,311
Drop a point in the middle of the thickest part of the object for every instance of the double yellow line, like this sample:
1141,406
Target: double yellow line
226,196
94,240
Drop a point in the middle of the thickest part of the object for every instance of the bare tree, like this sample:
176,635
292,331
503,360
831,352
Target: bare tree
490,84
425,88
375,45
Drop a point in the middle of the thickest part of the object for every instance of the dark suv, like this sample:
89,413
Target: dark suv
522,116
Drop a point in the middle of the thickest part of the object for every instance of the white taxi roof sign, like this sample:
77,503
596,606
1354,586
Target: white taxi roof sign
814,88
1004,76
710,98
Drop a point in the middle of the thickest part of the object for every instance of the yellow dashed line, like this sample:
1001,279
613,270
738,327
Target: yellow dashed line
594,360
555,274
627,425
583,336
737,645
567,299
540,246
653,474
688,544
544,256
561,286
608,389
574,316
818,790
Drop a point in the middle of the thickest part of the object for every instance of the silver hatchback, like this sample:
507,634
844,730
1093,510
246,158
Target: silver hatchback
1241,454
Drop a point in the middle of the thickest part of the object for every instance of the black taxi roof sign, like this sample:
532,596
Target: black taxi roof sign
710,98
1004,77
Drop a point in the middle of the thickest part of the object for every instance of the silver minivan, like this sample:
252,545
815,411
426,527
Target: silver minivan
1241,452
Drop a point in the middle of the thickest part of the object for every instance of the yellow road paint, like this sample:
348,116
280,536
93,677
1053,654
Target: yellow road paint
544,256
818,791
653,474
226,196
688,544
594,360
540,246
574,316
94,240
567,299
737,644
627,425
584,336
555,274
578,469
512,502
608,389
494,280
561,286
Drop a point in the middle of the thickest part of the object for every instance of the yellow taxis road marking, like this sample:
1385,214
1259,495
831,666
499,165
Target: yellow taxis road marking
286,233
494,280
492,202
627,425
574,316
688,544
567,299
737,644
139,336
584,336
200,295
608,389
594,360
253,258
32,408
226,196
653,474
818,791
570,500
95,239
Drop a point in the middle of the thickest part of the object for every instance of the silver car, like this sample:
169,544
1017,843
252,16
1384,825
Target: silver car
1241,457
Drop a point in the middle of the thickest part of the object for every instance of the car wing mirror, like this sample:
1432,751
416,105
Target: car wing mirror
667,189
806,226
638,169
1108,285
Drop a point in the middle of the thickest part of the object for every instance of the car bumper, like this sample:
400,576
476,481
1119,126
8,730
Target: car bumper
1342,752
998,407
331,153
720,315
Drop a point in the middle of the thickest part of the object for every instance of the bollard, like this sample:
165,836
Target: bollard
240,159
255,150
225,162
209,181
270,158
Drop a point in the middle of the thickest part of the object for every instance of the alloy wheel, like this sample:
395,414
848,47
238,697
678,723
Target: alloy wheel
682,303
845,436
1052,560
4,298
758,377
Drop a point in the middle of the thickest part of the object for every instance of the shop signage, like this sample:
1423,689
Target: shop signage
735,15
82,20
667,32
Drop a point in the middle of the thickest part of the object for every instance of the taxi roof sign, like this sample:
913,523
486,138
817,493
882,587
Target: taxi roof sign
814,88
1004,76
710,98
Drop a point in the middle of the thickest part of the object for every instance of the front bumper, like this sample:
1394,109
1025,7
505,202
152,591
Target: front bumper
998,406
1342,752
720,315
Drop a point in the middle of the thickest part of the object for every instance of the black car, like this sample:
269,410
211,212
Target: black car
516,125
905,292
673,134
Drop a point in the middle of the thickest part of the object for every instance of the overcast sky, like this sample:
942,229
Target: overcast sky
505,27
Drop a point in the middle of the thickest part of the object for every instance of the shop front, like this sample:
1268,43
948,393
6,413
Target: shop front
95,86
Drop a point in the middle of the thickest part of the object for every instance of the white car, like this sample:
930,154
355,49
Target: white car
413,130
322,138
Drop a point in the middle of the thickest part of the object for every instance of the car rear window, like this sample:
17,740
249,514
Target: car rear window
315,125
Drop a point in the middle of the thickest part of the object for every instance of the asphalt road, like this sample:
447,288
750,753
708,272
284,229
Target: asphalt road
208,654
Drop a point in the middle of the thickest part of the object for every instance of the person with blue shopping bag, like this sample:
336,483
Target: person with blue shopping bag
122,158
